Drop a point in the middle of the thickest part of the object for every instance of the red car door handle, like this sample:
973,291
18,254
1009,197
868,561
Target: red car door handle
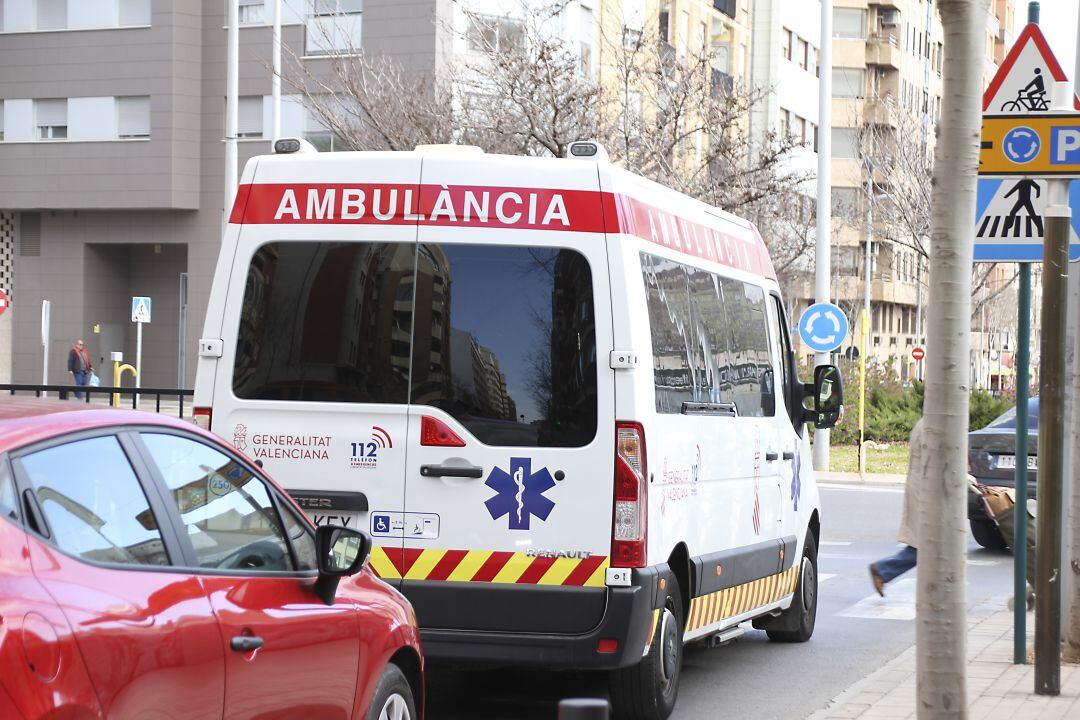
246,643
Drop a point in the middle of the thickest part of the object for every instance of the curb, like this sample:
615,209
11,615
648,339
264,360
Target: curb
854,478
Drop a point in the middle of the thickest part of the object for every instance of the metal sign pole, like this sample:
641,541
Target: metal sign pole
46,311
138,358
1051,442
1020,558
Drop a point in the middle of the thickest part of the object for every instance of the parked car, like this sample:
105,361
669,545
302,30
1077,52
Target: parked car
992,461
149,570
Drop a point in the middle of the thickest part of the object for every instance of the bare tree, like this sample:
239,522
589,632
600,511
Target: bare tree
941,630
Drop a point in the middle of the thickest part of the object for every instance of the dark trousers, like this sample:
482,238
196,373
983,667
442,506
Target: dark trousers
896,565
80,379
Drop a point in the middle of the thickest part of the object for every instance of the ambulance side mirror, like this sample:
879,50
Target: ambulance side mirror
827,392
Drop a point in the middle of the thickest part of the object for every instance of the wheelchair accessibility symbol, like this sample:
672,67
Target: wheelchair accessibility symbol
1021,145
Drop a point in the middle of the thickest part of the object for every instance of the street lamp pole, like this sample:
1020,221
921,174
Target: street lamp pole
824,201
275,79
232,93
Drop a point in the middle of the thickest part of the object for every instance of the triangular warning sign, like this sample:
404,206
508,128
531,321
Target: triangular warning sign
1022,84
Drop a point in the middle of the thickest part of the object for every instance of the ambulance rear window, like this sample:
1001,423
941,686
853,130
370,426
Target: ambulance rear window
504,341
326,322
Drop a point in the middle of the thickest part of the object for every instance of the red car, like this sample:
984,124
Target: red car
147,570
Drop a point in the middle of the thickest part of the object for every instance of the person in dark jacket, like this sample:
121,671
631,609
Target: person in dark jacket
79,365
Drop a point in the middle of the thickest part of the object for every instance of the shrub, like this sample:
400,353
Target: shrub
893,407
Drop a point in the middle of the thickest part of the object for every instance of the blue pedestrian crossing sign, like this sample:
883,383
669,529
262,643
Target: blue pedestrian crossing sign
823,327
1009,220
140,309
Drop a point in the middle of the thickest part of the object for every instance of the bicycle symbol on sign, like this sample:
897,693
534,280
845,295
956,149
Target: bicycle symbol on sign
1032,97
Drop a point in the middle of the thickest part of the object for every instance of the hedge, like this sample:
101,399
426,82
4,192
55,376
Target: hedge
893,407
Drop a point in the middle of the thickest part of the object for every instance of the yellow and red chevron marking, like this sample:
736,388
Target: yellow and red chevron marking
652,631
392,563
710,609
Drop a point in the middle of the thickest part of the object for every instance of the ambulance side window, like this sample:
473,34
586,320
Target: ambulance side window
506,342
746,311
327,322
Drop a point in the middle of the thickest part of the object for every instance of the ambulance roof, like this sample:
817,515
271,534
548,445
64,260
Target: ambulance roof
444,187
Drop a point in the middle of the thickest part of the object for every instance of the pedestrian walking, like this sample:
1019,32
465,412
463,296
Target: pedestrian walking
887,569
79,365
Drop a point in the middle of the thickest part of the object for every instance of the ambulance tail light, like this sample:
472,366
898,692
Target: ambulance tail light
202,416
631,497
436,433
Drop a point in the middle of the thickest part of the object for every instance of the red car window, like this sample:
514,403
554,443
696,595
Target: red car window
226,510
94,504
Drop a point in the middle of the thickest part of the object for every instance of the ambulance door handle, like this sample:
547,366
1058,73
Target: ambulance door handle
789,454
467,471
771,456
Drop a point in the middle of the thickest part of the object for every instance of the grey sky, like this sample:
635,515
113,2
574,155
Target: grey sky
1058,23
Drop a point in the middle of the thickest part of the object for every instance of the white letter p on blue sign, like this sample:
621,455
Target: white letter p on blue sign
1065,145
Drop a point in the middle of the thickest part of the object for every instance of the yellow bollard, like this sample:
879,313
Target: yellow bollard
118,374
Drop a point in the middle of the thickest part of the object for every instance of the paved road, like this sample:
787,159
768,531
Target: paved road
753,679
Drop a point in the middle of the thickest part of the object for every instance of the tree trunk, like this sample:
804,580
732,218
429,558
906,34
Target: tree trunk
941,632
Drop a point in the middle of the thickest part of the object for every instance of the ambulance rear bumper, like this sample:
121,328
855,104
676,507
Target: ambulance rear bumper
626,619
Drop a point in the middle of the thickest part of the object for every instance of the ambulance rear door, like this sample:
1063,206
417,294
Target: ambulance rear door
508,487
313,379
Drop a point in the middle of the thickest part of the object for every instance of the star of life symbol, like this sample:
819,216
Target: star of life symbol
520,493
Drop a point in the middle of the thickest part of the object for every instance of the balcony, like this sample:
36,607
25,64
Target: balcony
884,49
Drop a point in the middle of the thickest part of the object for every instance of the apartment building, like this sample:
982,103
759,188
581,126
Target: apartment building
785,64
112,153
887,73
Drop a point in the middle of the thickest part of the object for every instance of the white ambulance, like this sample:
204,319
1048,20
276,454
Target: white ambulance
561,399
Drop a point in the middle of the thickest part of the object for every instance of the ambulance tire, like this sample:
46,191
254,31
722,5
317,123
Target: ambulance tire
647,691
802,615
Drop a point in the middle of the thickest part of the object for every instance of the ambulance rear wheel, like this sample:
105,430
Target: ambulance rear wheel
647,691
802,615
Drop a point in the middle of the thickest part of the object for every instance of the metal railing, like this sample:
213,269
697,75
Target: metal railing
138,395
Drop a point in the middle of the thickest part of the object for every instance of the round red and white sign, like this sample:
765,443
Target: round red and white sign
4,302
918,353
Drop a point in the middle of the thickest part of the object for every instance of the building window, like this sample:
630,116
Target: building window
1,120
682,42
134,12
50,14
785,123
849,23
489,33
664,26
844,143
333,27
133,117
50,119
633,17
848,83
251,12
802,53
249,119
811,136
798,129
785,43
316,133
813,67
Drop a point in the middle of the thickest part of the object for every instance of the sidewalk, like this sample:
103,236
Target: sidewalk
997,689
853,478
